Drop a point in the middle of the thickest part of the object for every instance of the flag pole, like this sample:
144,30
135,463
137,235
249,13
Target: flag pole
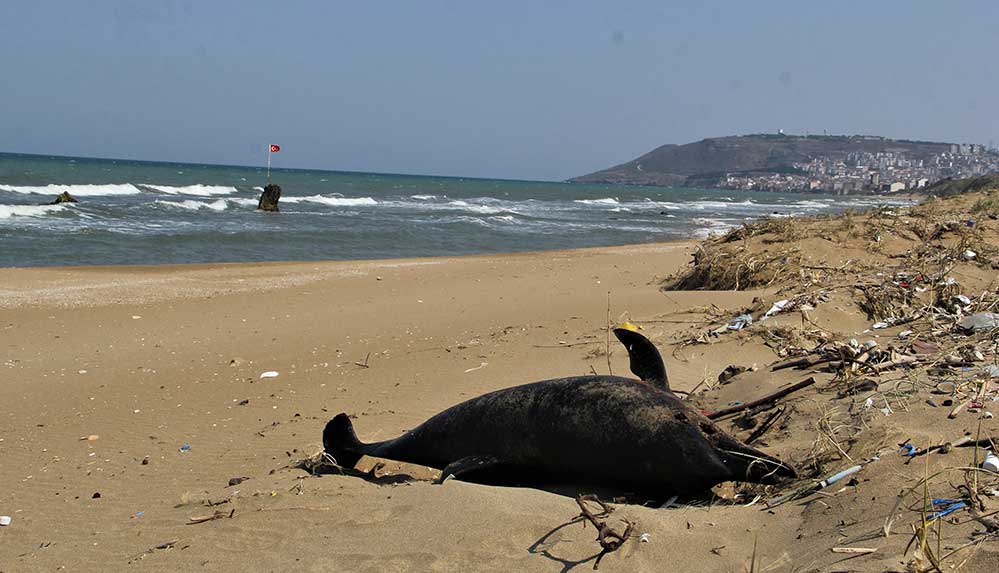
269,164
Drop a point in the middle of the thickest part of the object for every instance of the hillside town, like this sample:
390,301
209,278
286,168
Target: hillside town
867,172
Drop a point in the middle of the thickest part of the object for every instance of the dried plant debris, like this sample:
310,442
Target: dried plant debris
717,266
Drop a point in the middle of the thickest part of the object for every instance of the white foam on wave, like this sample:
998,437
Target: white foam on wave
707,204
604,201
9,211
75,190
668,205
480,209
812,204
332,200
217,205
504,218
711,227
424,197
197,190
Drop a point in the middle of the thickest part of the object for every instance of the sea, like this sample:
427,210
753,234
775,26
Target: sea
139,212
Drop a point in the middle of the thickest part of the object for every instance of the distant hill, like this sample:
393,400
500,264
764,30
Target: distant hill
706,162
948,187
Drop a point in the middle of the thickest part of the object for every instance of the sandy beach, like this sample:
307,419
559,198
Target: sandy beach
133,395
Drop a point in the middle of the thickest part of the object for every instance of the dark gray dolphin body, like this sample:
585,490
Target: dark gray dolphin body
599,430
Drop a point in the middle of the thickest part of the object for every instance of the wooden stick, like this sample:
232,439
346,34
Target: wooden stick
609,539
764,427
365,364
217,515
800,362
764,400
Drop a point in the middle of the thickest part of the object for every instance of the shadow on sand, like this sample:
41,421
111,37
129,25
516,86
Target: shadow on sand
545,544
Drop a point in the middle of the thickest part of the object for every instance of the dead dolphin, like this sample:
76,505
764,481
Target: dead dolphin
607,431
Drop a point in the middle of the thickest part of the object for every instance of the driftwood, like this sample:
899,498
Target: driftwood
764,426
609,539
802,362
764,400
219,514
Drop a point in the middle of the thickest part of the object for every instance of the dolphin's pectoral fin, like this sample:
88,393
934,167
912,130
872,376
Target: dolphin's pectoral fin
646,362
467,466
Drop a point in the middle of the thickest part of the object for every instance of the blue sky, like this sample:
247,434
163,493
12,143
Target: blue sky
512,89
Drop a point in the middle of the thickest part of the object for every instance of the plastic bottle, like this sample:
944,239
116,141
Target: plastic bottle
991,462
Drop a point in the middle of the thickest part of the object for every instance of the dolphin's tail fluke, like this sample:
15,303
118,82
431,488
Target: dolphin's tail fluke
340,441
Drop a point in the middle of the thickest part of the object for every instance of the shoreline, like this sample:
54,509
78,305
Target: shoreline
22,283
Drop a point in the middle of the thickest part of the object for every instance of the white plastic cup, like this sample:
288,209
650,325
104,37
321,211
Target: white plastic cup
991,462
4,520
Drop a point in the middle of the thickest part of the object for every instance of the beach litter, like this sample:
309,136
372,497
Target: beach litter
270,374
807,490
949,507
731,371
740,322
979,322
185,448
219,514
4,520
165,545
991,462
854,550
777,308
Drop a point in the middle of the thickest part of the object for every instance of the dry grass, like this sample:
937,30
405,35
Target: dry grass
717,267
886,302
773,229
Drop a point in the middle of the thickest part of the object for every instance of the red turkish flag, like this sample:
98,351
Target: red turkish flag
275,148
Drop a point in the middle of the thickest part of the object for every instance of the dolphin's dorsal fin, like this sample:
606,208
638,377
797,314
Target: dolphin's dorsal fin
646,362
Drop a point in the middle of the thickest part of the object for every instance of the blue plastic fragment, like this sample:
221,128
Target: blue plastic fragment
185,447
947,511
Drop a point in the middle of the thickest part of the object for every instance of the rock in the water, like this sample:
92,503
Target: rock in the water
269,198
64,197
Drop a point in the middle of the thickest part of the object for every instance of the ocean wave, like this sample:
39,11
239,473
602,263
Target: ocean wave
8,211
480,209
708,204
332,200
424,197
197,190
711,227
812,204
217,205
75,190
604,201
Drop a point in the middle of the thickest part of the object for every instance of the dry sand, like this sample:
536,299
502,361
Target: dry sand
147,359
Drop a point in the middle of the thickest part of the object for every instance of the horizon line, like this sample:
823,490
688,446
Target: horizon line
264,168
